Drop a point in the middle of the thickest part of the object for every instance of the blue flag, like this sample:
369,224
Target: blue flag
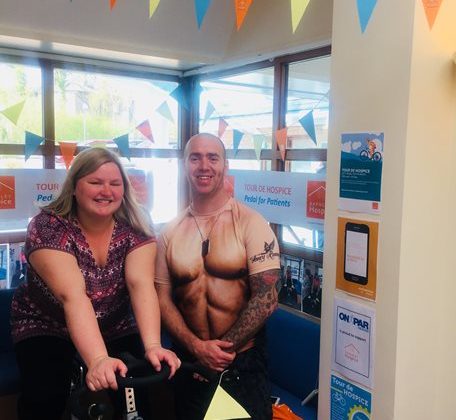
124,145
365,9
237,137
308,124
32,141
201,7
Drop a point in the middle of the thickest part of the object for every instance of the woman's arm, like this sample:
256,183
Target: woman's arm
61,273
139,275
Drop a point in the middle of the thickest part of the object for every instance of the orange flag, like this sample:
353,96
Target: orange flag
222,127
67,149
242,7
431,7
281,139
112,3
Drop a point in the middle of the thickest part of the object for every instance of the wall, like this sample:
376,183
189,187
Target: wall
398,78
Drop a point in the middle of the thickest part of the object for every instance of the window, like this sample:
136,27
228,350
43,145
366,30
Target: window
244,102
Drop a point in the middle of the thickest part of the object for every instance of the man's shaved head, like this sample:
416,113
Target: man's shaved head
206,136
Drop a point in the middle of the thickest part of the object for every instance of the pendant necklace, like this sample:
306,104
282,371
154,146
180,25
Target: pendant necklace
205,243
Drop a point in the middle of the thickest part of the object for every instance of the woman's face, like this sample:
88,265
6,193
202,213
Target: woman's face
100,193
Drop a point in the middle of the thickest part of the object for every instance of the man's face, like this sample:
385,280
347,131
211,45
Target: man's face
205,166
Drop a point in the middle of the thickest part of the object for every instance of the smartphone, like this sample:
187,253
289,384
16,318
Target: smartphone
356,252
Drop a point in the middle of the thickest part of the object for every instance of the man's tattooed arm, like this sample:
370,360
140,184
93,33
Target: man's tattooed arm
262,303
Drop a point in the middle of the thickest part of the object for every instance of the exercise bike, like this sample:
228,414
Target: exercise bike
140,374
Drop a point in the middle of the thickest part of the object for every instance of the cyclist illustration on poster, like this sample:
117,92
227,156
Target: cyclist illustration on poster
361,172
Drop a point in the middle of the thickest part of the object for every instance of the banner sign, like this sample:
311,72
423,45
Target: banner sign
24,191
353,341
349,401
287,198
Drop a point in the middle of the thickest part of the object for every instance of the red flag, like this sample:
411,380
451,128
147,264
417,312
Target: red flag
112,3
145,130
222,127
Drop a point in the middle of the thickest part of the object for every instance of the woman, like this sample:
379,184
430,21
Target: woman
91,254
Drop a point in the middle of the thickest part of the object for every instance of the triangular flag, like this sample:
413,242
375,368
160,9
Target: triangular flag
153,4
124,145
431,7
224,407
145,130
308,124
112,3
14,112
165,112
209,111
180,96
298,7
242,7
365,9
201,7
67,149
237,137
258,140
32,141
281,139
222,127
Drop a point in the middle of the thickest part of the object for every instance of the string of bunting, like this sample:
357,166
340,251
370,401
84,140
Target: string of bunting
365,9
241,8
33,141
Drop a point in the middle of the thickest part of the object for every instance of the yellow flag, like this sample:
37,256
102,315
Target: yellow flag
14,112
153,4
224,407
298,7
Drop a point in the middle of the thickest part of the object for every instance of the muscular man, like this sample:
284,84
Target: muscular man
217,265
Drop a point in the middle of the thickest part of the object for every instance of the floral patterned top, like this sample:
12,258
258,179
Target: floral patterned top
36,312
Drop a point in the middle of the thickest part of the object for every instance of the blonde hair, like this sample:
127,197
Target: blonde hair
85,163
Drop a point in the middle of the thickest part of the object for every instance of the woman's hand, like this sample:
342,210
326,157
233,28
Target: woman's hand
157,354
101,373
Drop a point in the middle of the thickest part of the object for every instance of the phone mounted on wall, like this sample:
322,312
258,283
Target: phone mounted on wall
356,255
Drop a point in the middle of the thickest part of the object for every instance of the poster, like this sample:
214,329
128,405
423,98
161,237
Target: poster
353,341
356,265
288,198
24,191
361,166
349,401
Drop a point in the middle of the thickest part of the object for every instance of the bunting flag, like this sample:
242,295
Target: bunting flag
67,149
222,127
32,141
153,4
258,140
201,7
308,124
365,9
124,145
237,137
180,96
145,130
281,139
224,407
112,4
298,8
165,112
209,111
14,112
431,8
242,7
